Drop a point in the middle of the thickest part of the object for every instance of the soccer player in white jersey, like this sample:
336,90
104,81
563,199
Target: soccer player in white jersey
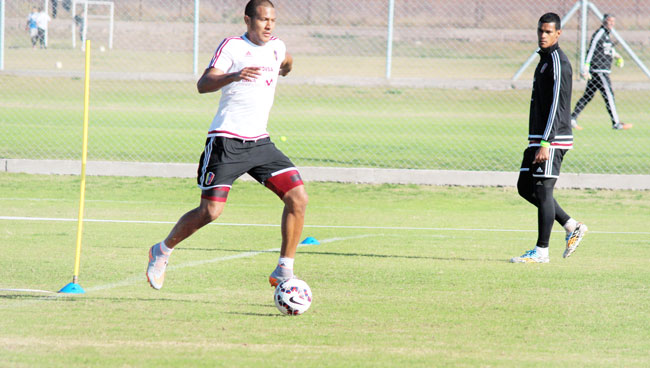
246,70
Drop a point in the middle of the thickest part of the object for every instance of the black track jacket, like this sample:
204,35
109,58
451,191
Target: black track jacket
550,105
600,54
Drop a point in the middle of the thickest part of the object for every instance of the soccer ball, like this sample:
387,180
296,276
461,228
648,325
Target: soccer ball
292,297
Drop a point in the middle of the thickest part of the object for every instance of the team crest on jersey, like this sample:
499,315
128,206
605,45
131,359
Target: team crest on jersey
209,178
543,68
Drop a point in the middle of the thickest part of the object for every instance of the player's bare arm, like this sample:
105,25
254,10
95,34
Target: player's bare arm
213,79
286,65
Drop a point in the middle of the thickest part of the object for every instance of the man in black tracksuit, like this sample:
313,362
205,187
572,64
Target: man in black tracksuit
598,65
549,138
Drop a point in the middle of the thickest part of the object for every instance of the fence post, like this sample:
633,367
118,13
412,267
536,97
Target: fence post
389,38
195,64
2,34
583,33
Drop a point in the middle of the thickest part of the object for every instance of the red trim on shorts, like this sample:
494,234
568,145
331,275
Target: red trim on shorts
218,194
282,183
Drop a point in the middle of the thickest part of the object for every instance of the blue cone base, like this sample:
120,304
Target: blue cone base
310,240
72,288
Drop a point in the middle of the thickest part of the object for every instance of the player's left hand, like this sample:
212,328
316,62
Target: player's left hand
286,65
620,62
541,155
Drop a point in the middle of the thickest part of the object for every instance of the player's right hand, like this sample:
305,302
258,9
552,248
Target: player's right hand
249,73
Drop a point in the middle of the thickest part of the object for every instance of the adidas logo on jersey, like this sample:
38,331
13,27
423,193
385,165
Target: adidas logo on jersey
539,170
248,54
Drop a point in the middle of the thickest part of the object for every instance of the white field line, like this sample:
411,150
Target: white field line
140,278
28,290
54,219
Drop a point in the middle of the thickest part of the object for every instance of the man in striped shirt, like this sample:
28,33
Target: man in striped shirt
549,138
245,69
598,65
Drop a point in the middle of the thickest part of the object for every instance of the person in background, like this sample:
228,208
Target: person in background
31,26
42,21
80,23
598,66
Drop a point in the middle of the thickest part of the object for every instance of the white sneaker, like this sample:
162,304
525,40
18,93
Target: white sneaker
573,239
156,268
622,126
530,256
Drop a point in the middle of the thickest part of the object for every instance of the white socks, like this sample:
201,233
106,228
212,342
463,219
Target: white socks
286,262
542,251
570,225
163,248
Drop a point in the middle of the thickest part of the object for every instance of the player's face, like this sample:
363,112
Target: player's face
261,25
547,35
610,23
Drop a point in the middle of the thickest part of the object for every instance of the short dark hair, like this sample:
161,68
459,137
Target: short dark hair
551,18
607,16
251,7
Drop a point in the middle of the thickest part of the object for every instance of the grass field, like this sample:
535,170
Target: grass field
413,128
404,276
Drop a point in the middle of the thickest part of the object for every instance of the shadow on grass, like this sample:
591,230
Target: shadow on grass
256,314
30,297
369,255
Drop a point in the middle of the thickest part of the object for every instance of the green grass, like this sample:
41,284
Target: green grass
394,283
346,55
413,128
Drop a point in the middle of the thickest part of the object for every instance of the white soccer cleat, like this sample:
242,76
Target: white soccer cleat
530,256
156,268
573,239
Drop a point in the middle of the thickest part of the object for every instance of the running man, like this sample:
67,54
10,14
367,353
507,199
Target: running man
246,70
550,137
598,65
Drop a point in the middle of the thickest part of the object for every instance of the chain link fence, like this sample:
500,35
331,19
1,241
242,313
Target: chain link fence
440,95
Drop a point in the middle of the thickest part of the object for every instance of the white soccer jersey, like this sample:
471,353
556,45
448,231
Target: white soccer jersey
244,106
42,19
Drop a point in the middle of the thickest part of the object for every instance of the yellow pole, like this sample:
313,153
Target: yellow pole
84,154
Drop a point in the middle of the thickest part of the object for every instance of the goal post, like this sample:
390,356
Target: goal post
108,13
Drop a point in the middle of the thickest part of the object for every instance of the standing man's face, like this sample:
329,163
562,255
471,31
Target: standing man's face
261,25
547,35
610,23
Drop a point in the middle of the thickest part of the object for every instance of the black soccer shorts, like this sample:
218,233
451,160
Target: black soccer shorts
226,159
548,169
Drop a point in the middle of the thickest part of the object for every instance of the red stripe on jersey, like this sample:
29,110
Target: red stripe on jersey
220,48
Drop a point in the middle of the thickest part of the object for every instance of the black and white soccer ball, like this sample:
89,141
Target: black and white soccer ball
292,297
